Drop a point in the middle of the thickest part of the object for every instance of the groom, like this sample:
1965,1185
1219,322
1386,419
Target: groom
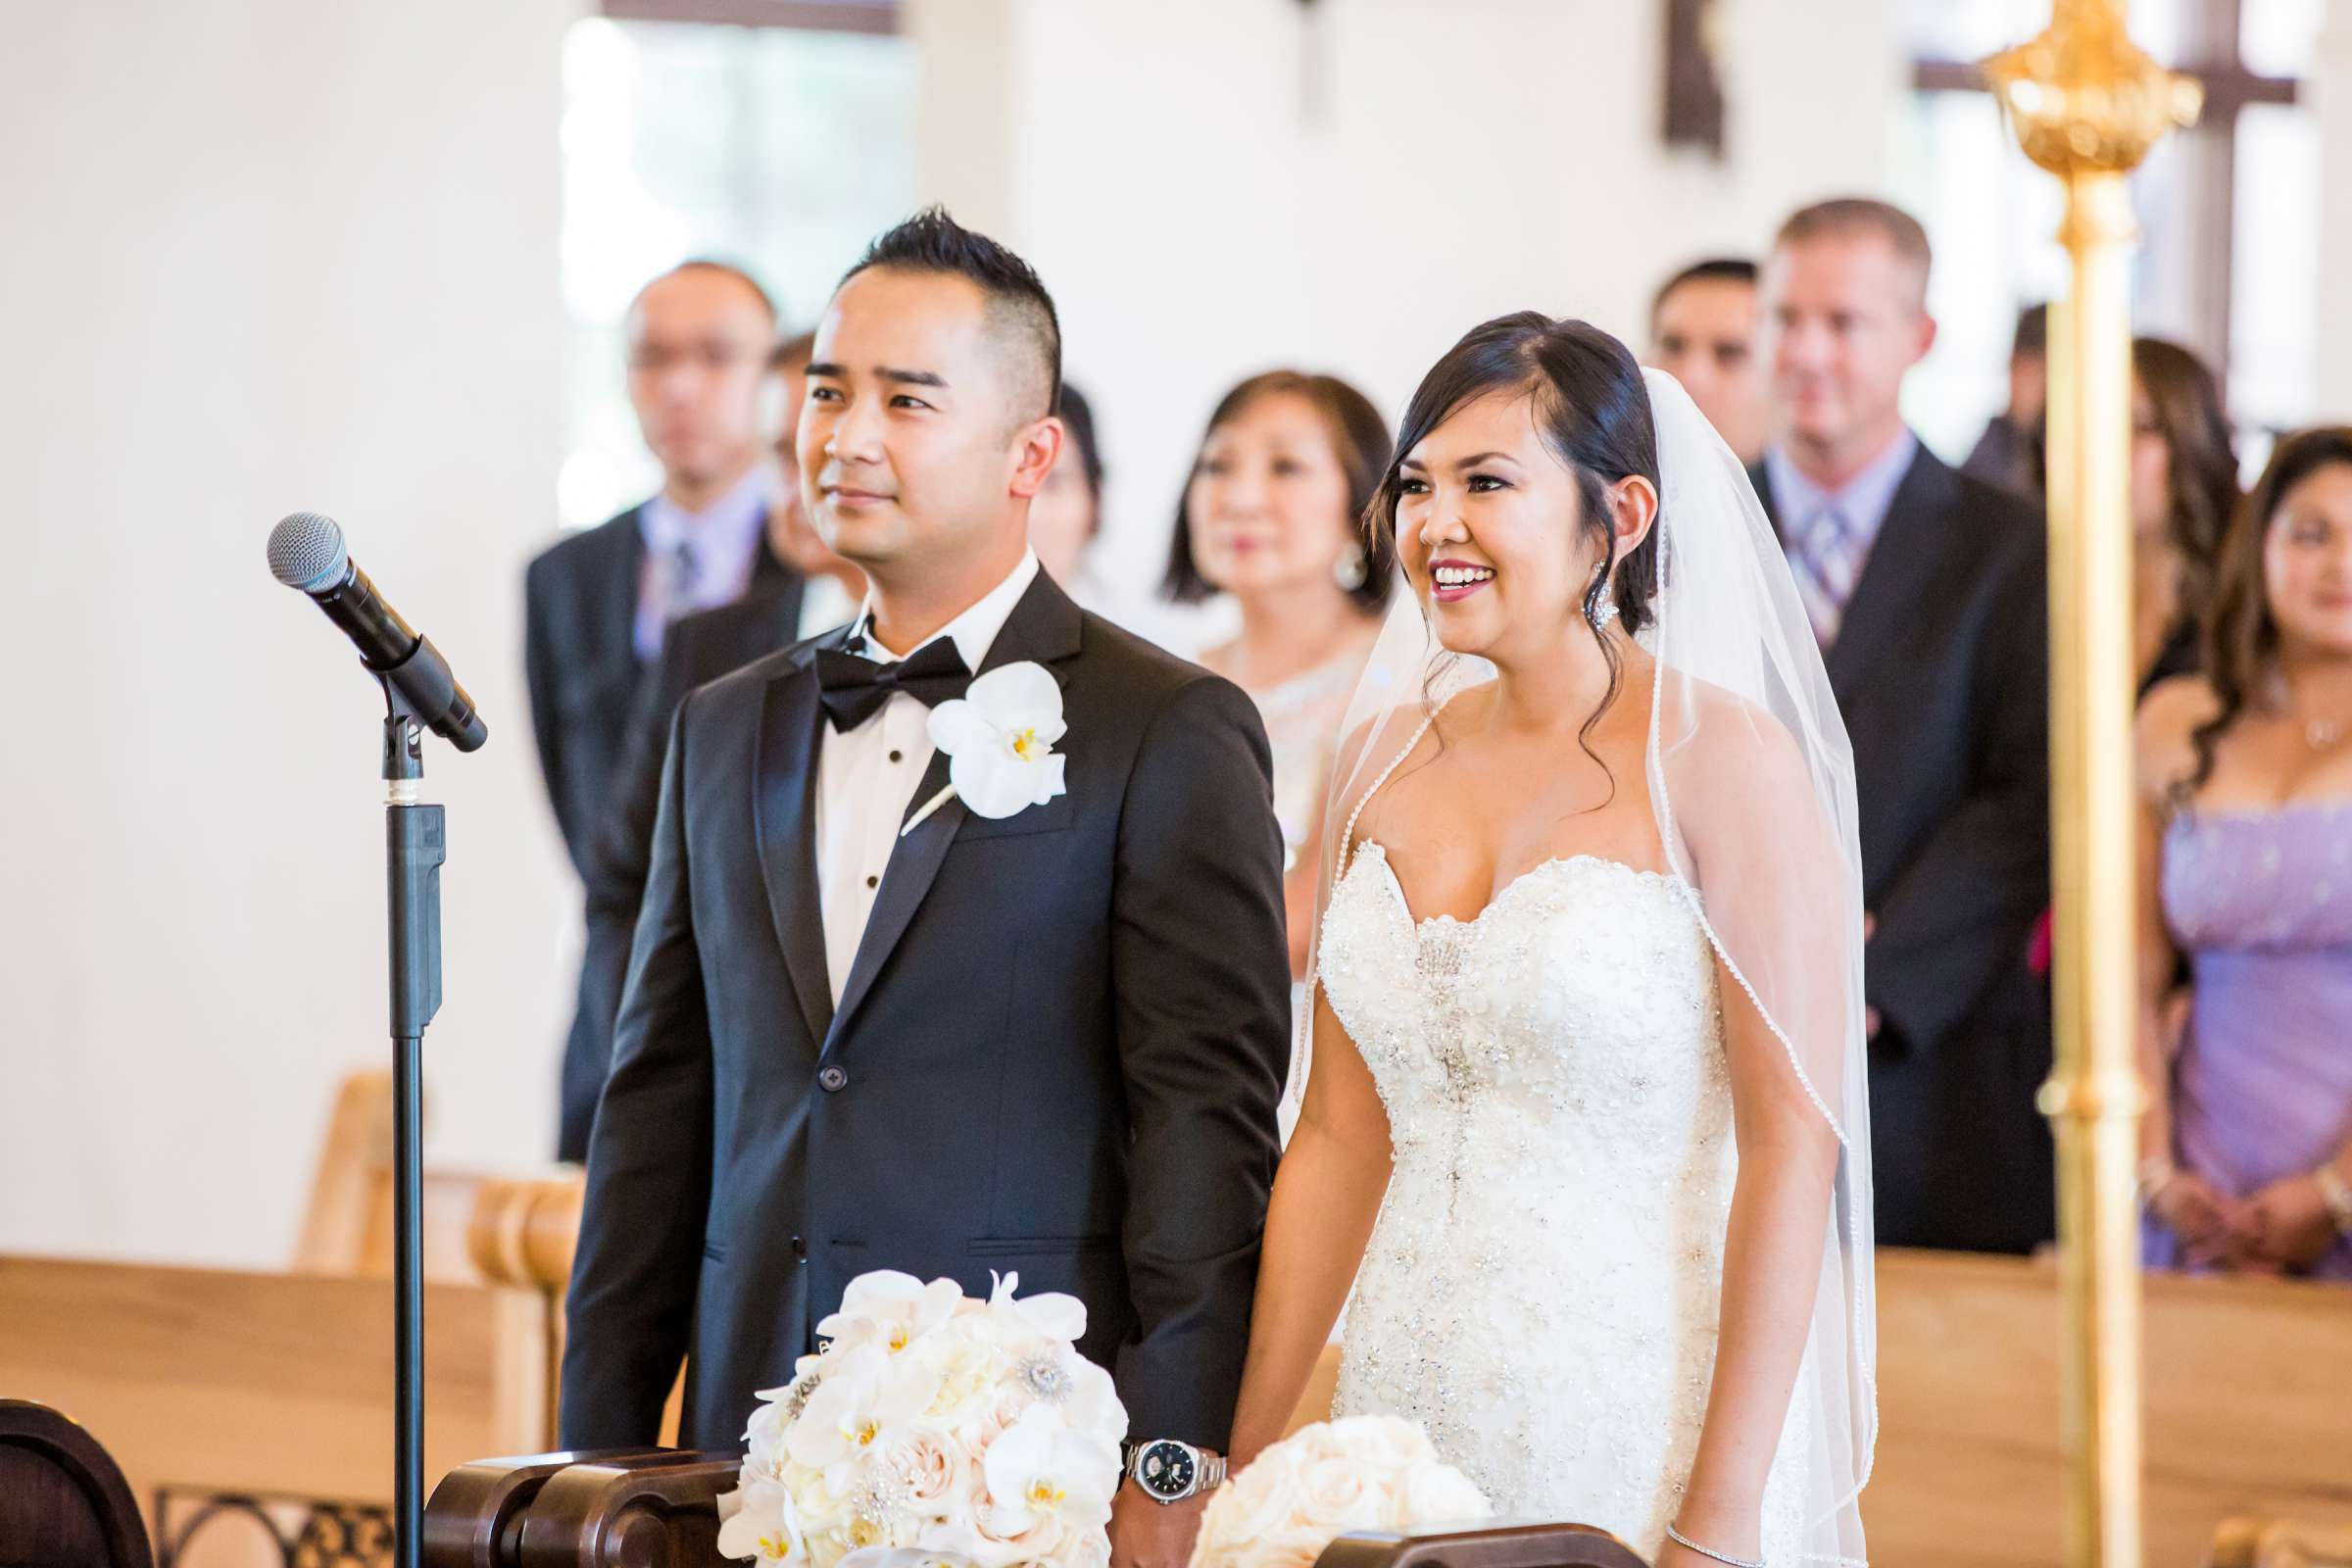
859,1037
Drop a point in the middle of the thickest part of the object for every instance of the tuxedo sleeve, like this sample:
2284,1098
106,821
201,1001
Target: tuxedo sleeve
1957,919
630,1308
1200,976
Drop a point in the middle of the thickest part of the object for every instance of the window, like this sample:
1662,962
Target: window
2229,211
782,148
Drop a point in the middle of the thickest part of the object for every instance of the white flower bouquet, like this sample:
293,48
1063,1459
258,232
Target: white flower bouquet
934,1429
1321,1482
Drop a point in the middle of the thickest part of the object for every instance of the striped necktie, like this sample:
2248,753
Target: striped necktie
1829,559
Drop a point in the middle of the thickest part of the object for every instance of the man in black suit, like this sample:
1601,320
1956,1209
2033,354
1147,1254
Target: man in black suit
596,604
873,1024
817,593
1927,589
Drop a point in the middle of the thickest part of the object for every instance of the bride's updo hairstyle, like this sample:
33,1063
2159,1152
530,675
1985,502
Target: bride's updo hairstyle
1594,409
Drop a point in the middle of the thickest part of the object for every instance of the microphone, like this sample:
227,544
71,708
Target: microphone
307,552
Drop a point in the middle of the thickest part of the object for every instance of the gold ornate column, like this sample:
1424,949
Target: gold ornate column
2087,104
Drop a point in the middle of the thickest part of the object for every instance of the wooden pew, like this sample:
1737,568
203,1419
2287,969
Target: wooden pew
62,1500
211,1382
2249,1411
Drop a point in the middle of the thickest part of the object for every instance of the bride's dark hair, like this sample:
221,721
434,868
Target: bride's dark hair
1593,407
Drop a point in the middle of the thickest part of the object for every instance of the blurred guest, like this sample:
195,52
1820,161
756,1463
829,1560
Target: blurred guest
820,591
1926,590
2184,492
2245,776
832,587
597,604
2007,455
1271,516
1067,512
1703,327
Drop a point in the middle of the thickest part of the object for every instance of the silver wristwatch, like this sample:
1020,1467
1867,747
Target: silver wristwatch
1169,1471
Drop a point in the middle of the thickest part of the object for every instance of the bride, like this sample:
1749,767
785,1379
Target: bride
1586,1122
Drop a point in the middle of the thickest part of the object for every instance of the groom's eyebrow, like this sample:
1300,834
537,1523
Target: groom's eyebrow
899,377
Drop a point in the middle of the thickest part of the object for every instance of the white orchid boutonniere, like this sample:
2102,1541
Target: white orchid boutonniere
999,739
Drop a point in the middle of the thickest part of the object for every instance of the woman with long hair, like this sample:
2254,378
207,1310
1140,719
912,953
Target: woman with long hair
2245,777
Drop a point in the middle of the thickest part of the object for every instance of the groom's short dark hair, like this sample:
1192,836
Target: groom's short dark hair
1021,313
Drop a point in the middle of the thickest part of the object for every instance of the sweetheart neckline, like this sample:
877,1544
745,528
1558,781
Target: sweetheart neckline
1419,923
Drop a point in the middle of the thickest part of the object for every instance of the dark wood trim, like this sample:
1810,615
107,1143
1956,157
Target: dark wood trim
825,16
2228,87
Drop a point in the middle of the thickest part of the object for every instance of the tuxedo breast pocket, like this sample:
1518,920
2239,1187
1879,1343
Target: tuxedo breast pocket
1056,815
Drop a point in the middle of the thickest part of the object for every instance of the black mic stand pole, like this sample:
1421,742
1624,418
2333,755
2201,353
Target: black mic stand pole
414,843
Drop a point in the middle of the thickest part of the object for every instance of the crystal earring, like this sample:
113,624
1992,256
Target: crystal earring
1351,570
1602,614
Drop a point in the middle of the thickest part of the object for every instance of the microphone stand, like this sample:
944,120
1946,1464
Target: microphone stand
414,844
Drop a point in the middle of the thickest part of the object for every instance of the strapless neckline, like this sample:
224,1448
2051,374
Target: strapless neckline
1554,865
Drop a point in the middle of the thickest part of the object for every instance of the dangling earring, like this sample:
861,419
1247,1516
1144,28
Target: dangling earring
1603,609
1351,569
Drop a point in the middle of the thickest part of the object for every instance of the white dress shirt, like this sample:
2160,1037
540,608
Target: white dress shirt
867,778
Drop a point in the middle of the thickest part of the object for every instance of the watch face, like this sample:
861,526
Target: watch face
1167,1470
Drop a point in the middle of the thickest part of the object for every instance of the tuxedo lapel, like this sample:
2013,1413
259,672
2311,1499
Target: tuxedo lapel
1904,564
1045,628
785,826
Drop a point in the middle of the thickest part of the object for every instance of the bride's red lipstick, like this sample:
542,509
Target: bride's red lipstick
1449,593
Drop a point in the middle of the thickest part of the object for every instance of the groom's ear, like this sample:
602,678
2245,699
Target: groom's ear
1038,445
1633,503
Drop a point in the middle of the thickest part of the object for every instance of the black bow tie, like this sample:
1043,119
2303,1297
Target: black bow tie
854,688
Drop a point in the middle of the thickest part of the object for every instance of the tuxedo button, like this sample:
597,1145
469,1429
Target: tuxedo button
832,1080
800,1247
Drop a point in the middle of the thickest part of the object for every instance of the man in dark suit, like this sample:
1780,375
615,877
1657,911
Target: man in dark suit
819,592
596,604
1927,590
872,1024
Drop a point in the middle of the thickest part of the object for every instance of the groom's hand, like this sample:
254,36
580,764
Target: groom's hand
1145,1533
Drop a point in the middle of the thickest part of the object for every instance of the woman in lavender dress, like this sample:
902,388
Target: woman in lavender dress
2246,857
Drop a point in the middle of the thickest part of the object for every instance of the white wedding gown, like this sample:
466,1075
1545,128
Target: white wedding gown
1540,1290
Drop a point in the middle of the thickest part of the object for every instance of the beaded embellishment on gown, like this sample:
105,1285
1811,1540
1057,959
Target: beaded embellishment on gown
1540,1290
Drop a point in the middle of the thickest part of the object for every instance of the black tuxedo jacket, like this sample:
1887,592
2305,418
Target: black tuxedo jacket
1941,671
581,664
697,650
1058,1054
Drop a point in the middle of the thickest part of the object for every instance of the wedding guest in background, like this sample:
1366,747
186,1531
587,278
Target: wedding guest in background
597,604
1704,329
1067,513
2005,453
1927,592
1272,517
2184,492
833,587
822,592
2246,774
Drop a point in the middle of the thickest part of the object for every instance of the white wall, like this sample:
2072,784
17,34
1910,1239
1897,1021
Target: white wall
262,256
1471,157
2332,98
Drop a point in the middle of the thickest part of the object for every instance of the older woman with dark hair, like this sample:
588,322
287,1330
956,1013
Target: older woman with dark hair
1273,516
2245,774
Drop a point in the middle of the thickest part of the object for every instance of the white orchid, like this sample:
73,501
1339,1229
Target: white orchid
867,1393
999,739
765,1526
1042,1472
891,1308
1051,1316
